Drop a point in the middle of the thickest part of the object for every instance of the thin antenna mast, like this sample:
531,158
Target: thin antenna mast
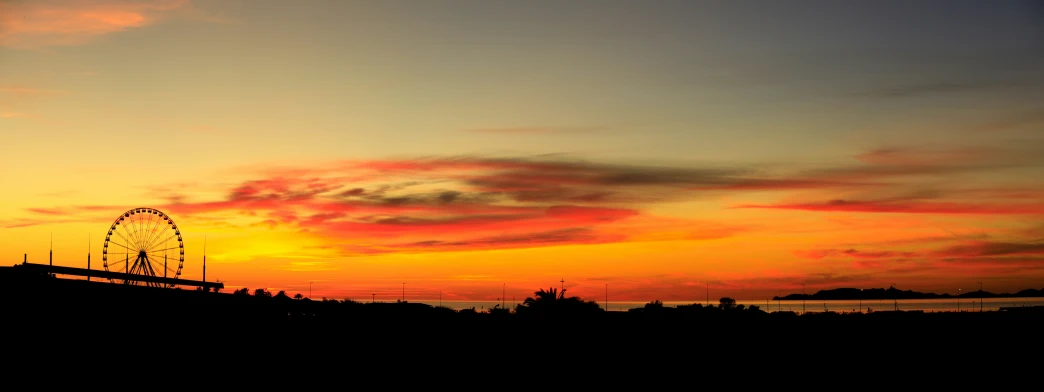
88,257
204,257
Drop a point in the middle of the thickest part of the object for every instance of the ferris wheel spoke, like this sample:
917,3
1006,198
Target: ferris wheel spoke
154,242
147,230
170,258
162,232
138,229
128,241
156,232
128,230
161,250
167,239
167,268
120,245
128,234
169,262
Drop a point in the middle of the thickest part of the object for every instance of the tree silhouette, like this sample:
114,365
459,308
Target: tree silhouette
298,296
726,304
554,302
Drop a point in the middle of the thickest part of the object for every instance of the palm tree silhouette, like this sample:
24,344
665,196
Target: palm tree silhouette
550,296
554,302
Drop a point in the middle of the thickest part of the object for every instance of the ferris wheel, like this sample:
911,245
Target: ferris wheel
154,240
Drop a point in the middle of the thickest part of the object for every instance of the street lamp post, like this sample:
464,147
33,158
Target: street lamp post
958,300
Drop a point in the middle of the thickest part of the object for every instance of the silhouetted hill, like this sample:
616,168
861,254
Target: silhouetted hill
893,293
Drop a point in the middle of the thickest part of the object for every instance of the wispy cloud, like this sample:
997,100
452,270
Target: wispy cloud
909,207
38,24
20,91
924,157
538,130
460,203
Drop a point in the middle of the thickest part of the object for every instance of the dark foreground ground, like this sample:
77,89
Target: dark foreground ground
43,317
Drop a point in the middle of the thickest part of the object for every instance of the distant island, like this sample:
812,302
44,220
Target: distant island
844,294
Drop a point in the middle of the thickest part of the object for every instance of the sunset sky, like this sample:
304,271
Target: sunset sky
657,149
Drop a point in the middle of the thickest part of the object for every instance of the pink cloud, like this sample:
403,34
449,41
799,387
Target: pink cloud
452,203
910,207
923,157
851,253
44,23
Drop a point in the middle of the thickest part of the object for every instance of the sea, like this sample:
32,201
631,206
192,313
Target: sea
807,306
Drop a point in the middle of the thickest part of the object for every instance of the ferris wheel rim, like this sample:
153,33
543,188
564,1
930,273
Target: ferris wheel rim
147,233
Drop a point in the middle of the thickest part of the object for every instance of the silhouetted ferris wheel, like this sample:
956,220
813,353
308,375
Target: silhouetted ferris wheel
154,240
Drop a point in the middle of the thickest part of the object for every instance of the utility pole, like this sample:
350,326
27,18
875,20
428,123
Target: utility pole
958,300
50,253
563,285
89,257
373,297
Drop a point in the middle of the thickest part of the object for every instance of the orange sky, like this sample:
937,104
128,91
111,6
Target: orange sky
360,146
